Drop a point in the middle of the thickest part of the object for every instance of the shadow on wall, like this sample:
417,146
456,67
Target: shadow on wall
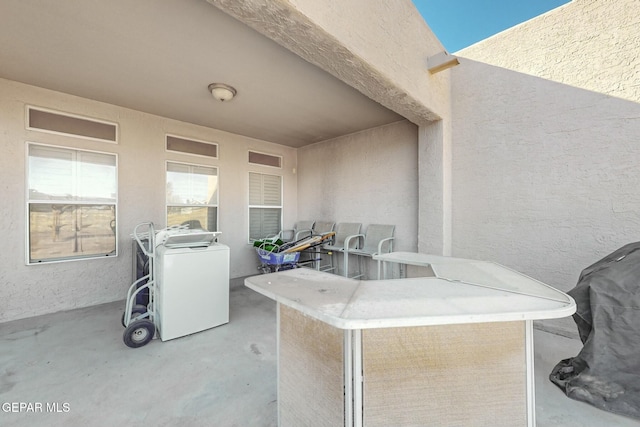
545,175
368,177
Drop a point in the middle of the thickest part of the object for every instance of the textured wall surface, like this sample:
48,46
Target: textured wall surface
545,144
376,46
31,290
434,154
369,177
310,369
447,375
380,48
590,44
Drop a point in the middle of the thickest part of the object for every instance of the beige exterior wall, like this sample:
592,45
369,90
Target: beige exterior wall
370,177
545,129
381,175
31,290
391,36
379,47
434,157
590,44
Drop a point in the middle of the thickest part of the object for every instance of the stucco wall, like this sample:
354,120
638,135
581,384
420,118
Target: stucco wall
392,37
434,156
380,48
545,153
376,46
31,290
369,177
545,175
590,44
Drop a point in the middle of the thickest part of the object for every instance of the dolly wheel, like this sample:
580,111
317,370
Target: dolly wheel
139,333
135,311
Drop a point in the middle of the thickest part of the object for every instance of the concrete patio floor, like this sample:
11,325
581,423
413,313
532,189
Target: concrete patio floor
75,365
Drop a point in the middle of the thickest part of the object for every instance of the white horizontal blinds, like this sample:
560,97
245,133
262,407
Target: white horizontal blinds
71,175
270,221
51,172
177,167
77,126
191,184
272,190
264,223
255,224
265,205
192,195
96,177
265,190
255,189
200,148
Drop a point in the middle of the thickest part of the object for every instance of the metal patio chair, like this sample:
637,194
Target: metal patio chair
300,230
321,228
377,239
343,230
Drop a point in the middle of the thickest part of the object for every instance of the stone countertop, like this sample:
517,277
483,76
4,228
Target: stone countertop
474,292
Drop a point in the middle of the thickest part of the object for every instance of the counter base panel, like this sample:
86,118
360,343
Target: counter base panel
310,371
454,375
446,376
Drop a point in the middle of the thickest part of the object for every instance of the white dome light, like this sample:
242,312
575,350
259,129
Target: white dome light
222,92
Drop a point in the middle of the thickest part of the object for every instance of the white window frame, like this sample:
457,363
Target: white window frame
192,165
266,154
187,138
29,201
250,240
75,116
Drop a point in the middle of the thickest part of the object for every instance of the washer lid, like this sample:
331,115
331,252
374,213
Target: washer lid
186,238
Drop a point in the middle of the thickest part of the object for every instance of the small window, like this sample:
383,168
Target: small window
190,146
192,196
265,159
71,204
67,124
265,205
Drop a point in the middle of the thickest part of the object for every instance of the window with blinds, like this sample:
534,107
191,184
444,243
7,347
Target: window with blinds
265,205
192,196
71,204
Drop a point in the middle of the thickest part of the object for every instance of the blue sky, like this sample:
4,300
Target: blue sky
460,23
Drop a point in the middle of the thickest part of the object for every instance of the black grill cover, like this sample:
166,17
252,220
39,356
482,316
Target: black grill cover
606,372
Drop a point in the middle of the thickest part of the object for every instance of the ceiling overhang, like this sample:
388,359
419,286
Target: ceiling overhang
160,57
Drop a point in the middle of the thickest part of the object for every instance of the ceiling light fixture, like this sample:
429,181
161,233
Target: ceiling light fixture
222,92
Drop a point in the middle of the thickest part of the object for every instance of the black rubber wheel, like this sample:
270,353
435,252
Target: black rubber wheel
139,333
137,309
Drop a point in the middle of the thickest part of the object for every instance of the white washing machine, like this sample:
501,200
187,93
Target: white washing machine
192,287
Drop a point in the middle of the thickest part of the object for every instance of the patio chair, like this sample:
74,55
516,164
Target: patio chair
320,228
343,230
300,230
323,227
378,238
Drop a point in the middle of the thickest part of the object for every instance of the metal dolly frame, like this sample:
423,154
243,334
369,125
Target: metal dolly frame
140,320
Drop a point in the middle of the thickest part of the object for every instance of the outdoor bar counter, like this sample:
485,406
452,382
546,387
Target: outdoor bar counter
450,350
